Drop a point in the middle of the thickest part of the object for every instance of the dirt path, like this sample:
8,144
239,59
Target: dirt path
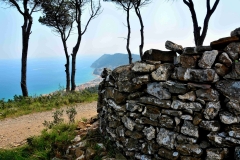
14,131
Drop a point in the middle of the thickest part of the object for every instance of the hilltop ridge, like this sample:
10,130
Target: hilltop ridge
112,61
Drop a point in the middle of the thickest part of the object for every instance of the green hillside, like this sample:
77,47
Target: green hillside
113,60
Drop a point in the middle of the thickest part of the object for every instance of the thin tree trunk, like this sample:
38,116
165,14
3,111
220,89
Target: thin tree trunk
74,55
141,31
66,65
26,31
128,39
73,72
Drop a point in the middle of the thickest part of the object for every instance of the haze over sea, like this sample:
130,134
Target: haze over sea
44,75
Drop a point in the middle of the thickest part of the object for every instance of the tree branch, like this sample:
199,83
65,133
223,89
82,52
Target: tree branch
17,6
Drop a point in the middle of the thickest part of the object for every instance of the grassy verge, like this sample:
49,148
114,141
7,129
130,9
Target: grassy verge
26,105
52,142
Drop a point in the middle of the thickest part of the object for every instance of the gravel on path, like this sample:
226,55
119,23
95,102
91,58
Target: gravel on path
15,131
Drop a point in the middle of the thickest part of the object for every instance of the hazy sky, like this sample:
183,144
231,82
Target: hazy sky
163,21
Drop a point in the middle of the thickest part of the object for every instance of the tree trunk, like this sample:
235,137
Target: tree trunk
74,55
73,72
137,10
128,39
26,31
66,65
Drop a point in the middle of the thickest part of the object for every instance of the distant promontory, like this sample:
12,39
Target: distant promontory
112,61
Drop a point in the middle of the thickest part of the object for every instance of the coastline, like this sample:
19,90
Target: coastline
83,86
91,83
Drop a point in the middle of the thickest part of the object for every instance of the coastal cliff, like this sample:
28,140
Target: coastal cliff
111,61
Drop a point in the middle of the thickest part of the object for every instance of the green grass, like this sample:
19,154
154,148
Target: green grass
51,143
25,105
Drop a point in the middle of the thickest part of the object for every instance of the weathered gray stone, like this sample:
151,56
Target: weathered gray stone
171,112
106,72
153,62
191,96
116,95
112,132
177,121
195,86
152,112
189,158
189,129
229,88
145,120
218,140
208,94
114,124
234,141
139,127
235,32
141,79
166,121
233,107
179,105
132,105
149,132
207,59
158,91
134,115
195,75
116,107
221,69
181,139
150,147
158,55
168,154
203,48
189,150
123,73
174,47
197,118
128,123
233,50
166,138
237,153
189,50
120,131
132,144
186,61
234,134
201,101
175,87
156,102
223,42
235,73
210,125
127,86
228,118
143,67
224,58
187,117
135,95
217,153
134,134
211,110
163,72
142,157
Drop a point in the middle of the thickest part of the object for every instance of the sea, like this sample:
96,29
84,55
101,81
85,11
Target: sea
44,75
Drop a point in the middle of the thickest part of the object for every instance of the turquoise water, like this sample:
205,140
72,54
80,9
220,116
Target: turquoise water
43,75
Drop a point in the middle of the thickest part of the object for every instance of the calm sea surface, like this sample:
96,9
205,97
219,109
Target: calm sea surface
43,75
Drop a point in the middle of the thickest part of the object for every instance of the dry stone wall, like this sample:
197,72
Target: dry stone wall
178,104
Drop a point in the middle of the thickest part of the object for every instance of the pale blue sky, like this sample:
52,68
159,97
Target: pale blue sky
163,21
